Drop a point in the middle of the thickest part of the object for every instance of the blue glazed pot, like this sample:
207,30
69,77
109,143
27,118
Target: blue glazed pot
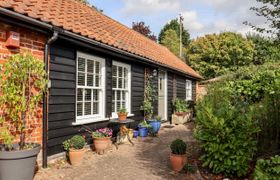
143,132
135,133
155,125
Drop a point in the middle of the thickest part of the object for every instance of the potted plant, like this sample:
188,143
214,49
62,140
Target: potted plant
122,114
22,84
102,139
144,128
178,156
181,114
75,149
155,124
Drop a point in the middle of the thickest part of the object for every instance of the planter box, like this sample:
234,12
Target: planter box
181,118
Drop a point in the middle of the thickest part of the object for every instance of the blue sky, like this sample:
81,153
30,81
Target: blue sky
201,16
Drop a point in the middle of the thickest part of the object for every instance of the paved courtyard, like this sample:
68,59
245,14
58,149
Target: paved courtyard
148,159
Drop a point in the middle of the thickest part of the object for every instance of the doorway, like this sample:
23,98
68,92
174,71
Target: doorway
162,95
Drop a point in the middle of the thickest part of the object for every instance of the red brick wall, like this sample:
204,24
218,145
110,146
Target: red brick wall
33,42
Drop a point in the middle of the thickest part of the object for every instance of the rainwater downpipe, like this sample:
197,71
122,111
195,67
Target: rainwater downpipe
45,100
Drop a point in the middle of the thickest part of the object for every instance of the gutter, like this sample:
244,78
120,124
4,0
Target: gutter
45,100
84,39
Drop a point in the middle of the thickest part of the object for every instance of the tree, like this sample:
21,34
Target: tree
171,41
266,49
143,29
174,25
216,54
271,11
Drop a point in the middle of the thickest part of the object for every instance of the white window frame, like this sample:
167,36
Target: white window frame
188,90
128,109
97,117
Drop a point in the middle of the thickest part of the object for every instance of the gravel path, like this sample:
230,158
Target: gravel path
148,159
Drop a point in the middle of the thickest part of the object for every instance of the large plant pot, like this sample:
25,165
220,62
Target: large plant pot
155,126
101,144
181,118
76,156
18,165
178,161
143,131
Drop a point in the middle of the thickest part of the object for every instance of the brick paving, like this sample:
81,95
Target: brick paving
147,159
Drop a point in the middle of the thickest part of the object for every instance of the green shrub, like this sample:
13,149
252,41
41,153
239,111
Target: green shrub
180,105
178,146
76,142
268,169
226,130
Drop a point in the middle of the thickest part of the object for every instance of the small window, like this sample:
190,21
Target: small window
188,90
120,87
90,88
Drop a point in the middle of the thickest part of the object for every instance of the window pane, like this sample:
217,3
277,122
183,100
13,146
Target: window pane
87,108
113,95
97,81
81,64
118,105
125,84
114,70
123,95
95,95
87,94
81,79
80,94
89,79
97,67
123,105
120,82
79,109
114,82
95,109
90,66
118,95
120,71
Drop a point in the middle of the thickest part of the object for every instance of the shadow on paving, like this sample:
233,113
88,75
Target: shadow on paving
154,152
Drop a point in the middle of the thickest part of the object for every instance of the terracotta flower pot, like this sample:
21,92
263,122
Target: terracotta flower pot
76,156
122,116
101,144
178,161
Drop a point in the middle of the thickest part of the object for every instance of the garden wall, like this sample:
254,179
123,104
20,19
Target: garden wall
30,41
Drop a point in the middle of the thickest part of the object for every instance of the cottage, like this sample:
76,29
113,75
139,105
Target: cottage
95,66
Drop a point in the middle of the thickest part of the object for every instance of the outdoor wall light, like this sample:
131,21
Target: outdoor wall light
154,72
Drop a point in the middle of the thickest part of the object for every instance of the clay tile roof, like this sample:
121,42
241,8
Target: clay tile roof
86,21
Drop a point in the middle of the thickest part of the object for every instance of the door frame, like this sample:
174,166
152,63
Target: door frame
165,95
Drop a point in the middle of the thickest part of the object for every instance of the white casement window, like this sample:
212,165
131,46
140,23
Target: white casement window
90,101
188,90
121,87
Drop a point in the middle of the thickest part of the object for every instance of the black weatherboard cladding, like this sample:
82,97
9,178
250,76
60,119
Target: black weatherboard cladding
170,93
62,97
181,87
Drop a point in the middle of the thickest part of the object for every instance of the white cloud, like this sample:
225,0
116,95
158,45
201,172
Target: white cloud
191,21
148,7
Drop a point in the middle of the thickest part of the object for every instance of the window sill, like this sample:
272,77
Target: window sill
89,121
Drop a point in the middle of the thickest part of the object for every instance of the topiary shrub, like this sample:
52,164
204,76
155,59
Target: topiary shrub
76,142
178,146
226,131
268,169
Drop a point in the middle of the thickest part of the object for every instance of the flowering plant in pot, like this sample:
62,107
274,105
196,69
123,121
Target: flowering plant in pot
178,156
182,113
22,84
122,114
75,148
102,139
144,128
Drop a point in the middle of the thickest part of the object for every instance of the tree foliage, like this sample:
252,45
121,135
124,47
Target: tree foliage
174,25
171,41
143,29
266,49
216,54
270,10
22,84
